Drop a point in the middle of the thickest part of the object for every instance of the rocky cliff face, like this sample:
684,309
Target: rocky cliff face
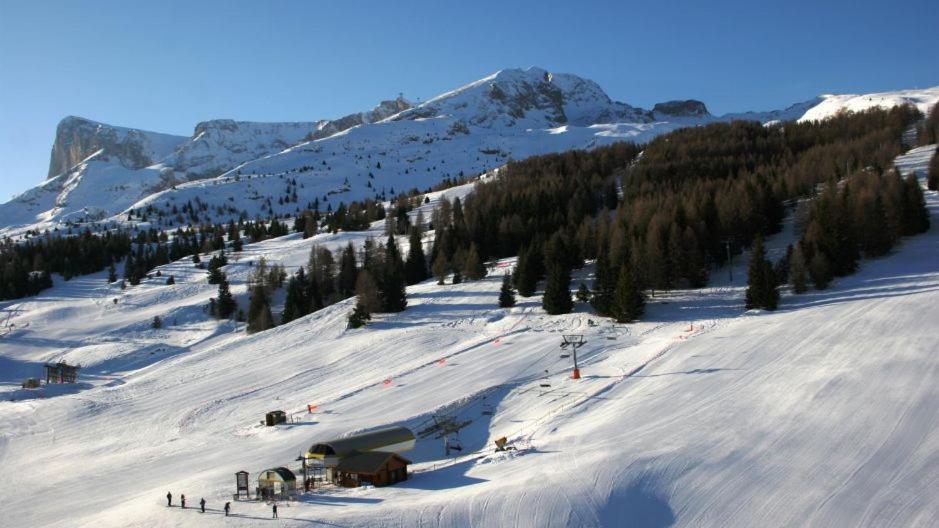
384,110
686,108
77,138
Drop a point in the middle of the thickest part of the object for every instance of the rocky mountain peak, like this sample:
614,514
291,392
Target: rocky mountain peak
76,138
681,108
533,97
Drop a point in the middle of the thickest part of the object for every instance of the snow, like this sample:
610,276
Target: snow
237,167
832,104
822,413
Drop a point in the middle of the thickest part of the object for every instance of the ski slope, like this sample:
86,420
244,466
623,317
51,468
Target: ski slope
824,413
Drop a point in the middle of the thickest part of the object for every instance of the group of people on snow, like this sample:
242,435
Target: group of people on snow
227,508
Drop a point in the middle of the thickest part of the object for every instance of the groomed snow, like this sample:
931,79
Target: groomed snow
823,413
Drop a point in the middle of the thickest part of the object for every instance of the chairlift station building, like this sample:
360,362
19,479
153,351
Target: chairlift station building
368,458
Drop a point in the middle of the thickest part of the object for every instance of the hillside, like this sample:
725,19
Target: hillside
702,414
233,168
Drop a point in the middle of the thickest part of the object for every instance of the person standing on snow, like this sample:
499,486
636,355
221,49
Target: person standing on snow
182,499
275,510
169,499
202,504
227,508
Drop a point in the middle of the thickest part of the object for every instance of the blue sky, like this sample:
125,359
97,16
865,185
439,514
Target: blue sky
166,65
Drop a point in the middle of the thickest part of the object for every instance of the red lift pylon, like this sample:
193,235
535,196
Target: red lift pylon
574,341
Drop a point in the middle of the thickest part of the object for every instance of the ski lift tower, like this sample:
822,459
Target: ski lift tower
572,342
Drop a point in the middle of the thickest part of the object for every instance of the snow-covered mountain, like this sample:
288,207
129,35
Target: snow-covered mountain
242,168
77,138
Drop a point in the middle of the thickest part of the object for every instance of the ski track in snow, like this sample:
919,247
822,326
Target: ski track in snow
823,413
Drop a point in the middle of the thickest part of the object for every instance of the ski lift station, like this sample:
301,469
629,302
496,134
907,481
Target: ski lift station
368,458
277,483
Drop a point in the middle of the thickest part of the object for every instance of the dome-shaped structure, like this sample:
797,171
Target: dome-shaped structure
276,483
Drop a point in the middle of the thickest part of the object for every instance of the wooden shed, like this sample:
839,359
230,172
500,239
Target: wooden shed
61,372
378,468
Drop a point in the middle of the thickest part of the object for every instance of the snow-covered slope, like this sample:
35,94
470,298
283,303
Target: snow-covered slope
832,104
824,413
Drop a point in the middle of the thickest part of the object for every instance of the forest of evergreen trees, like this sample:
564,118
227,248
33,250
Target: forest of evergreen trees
694,198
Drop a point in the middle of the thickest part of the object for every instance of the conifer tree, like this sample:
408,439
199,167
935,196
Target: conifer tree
761,290
525,275
392,287
932,180
296,304
259,310
348,272
225,304
112,273
366,291
507,292
358,317
440,267
557,291
473,267
416,266
603,284
820,270
215,275
628,300
798,274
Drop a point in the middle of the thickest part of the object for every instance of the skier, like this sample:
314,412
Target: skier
182,499
227,508
169,499
202,504
275,510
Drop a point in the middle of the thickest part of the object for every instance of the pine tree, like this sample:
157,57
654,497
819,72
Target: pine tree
348,272
358,317
557,290
915,216
798,272
932,181
603,284
761,290
507,292
225,304
473,267
628,300
415,268
524,275
440,267
296,304
392,287
112,273
820,270
157,322
259,310
366,290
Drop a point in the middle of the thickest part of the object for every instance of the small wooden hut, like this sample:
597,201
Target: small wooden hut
61,372
378,468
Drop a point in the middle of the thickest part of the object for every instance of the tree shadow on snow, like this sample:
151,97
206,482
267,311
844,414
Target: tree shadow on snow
637,505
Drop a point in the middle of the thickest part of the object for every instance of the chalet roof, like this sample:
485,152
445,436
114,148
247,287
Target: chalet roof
368,463
365,442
